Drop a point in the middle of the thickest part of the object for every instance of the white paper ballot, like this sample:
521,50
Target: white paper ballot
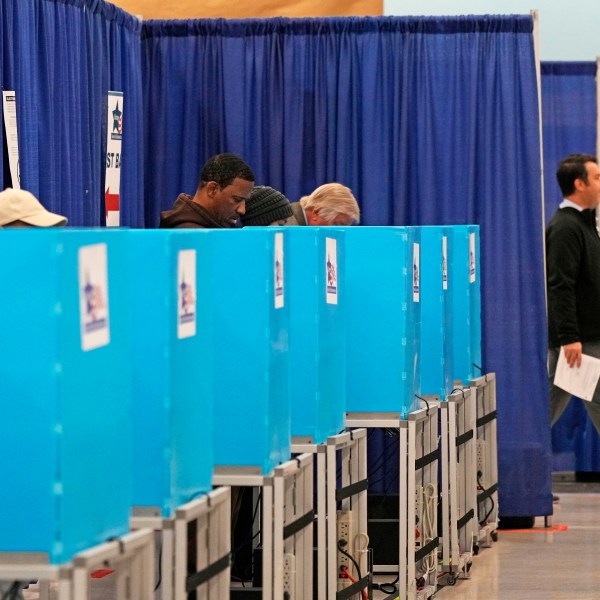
580,382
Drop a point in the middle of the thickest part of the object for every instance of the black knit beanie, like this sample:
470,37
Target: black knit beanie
265,206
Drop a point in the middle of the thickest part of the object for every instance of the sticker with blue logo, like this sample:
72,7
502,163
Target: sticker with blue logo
416,274
186,294
444,262
279,270
472,259
331,269
93,296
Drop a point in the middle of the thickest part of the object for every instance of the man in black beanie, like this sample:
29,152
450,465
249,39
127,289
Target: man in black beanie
266,206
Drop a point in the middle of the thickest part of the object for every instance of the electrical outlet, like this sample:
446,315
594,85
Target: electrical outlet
344,532
481,456
418,514
289,574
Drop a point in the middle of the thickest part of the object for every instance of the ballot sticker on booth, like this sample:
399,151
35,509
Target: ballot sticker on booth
444,262
331,270
278,270
416,274
186,294
93,296
472,274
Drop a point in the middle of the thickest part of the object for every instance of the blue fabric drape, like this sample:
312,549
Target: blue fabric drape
568,119
61,57
569,125
428,120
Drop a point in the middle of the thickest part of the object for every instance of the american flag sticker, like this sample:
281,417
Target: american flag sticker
331,270
416,278
444,262
186,294
93,296
472,259
279,300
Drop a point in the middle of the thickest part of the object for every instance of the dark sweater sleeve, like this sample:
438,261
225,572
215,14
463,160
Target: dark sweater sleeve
564,245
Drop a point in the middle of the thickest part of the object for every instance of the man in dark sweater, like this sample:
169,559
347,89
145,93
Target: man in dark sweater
225,184
573,276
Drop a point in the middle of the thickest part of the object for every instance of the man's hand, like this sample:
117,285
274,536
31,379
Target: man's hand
573,354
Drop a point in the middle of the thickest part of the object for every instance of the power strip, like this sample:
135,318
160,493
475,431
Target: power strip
345,531
289,574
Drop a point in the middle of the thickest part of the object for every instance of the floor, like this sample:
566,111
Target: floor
529,565
537,565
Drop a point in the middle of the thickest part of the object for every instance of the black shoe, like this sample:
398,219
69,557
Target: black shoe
555,498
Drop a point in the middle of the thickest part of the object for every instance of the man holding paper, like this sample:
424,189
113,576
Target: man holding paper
573,281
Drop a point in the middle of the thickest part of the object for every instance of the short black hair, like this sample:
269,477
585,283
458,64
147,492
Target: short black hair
570,168
223,169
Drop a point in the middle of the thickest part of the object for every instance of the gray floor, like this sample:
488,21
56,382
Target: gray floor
532,565
528,565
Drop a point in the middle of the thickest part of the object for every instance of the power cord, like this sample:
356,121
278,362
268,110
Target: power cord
345,572
387,588
13,592
429,525
340,547
484,520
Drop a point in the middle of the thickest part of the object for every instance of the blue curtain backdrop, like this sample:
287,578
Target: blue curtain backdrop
428,120
569,125
61,57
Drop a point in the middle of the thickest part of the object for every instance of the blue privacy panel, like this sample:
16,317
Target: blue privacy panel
383,319
435,357
317,331
65,389
172,385
464,284
249,303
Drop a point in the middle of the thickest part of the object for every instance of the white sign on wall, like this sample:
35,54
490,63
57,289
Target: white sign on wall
278,270
331,270
93,296
9,104
186,294
416,274
472,259
444,262
112,180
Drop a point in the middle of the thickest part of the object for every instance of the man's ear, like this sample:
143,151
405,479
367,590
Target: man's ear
212,187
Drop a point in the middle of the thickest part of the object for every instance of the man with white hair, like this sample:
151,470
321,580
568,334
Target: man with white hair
329,204
19,209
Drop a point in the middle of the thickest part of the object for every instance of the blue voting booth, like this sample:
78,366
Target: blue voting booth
65,389
317,332
383,319
436,322
464,284
249,303
171,367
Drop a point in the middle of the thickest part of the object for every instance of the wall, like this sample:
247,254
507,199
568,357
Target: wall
568,31
188,9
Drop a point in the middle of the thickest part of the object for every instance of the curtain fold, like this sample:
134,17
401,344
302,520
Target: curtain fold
61,57
569,125
427,120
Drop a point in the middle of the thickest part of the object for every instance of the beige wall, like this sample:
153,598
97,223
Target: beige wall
188,9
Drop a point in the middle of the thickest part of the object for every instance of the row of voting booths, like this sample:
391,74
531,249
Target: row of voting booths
151,375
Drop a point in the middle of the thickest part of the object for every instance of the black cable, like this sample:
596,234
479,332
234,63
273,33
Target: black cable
339,547
159,568
427,403
387,588
13,591
478,367
484,520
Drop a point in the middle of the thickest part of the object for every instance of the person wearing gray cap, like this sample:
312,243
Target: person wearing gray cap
267,206
19,209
